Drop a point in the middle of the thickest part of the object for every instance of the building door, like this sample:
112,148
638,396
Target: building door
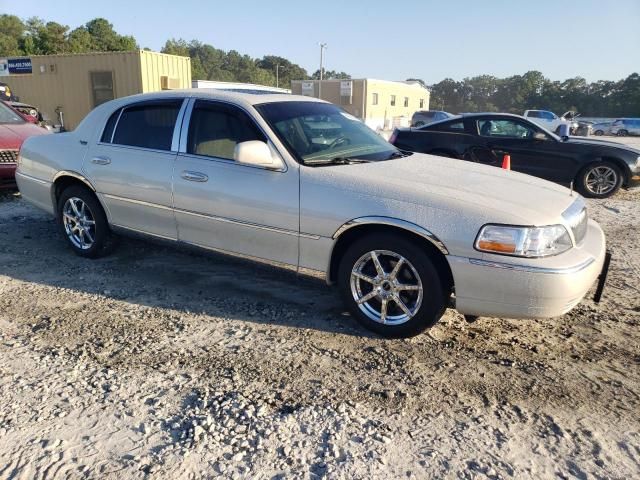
101,87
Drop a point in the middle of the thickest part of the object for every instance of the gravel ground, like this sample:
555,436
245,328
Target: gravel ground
156,363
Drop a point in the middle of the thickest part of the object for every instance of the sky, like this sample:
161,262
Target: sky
431,40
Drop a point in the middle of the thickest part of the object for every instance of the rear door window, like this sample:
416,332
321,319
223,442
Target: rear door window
147,125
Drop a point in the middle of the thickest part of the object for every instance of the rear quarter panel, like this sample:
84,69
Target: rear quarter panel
41,158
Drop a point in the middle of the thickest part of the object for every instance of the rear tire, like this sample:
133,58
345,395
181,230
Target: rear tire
598,133
398,294
83,222
599,180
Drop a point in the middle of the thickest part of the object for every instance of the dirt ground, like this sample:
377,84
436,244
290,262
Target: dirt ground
157,363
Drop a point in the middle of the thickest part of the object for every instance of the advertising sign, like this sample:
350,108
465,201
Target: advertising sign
4,67
346,88
307,89
19,66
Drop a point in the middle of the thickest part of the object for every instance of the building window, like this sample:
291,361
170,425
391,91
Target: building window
406,101
422,103
374,100
393,100
102,87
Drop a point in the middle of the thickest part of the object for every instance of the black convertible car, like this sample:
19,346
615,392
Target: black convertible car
597,168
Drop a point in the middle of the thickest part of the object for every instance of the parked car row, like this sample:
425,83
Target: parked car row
403,235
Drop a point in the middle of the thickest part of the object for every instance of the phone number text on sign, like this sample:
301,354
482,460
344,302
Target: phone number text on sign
19,66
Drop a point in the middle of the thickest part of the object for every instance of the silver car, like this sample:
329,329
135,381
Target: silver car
625,126
404,236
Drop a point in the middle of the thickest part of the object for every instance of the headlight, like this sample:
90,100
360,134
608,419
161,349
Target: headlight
523,241
638,162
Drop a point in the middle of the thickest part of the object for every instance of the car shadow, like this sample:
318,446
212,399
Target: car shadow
168,276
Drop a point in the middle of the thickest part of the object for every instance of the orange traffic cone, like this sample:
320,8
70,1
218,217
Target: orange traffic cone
506,162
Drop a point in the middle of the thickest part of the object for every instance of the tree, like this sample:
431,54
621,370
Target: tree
11,35
331,75
287,71
105,39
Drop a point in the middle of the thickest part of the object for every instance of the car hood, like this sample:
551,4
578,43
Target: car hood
453,186
12,136
601,143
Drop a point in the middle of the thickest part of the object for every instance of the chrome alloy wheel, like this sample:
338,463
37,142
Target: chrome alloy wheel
601,180
79,223
386,287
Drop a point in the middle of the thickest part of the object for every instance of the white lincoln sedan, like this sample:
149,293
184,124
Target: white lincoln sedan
298,181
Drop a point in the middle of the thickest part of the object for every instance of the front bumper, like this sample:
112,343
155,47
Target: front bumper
7,175
501,286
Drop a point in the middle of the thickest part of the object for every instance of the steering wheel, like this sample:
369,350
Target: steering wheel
339,141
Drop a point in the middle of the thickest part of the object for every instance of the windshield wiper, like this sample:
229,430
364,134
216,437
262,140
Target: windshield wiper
399,154
338,161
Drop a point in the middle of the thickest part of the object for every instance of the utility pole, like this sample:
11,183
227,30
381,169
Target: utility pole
322,47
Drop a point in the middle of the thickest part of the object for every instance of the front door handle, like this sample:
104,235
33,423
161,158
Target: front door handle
194,176
101,160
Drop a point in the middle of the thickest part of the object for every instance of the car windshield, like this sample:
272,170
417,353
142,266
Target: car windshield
7,115
318,133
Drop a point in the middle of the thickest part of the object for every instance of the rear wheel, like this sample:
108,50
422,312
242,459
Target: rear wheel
599,180
83,222
599,133
391,286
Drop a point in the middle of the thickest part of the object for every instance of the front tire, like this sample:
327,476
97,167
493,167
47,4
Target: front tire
599,180
598,133
83,222
622,133
391,286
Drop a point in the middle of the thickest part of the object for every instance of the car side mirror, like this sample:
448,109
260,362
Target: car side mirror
539,136
257,153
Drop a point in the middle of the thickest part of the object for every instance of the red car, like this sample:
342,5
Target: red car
14,129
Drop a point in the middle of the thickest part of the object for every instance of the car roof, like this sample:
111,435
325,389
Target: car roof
242,97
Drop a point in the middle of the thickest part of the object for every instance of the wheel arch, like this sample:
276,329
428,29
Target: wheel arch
65,179
355,228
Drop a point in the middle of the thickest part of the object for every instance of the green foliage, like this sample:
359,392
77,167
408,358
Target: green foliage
481,93
210,63
532,90
35,37
330,75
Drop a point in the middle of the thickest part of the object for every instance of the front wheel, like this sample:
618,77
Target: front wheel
599,133
622,133
391,286
84,223
599,180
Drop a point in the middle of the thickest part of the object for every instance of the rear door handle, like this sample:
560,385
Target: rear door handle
194,176
101,160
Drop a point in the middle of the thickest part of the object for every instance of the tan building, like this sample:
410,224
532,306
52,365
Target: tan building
76,83
382,104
